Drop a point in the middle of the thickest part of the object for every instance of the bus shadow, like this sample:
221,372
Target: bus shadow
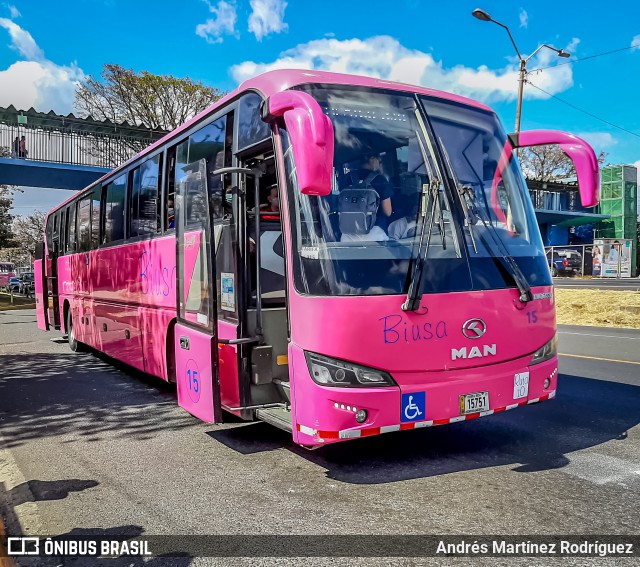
586,413
43,395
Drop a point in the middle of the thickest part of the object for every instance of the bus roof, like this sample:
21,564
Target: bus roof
280,80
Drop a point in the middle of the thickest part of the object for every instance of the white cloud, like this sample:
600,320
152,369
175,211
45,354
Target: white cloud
524,18
15,13
267,17
224,22
384,57
22,41
35,81
636,42
599,140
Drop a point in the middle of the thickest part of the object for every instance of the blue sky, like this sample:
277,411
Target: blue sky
45,50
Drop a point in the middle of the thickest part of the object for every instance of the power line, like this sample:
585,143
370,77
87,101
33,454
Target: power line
584,111
632,46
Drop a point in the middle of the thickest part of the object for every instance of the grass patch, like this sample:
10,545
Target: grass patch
598,307
19,302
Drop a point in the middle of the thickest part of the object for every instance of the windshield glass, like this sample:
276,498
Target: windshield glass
389,194
479,160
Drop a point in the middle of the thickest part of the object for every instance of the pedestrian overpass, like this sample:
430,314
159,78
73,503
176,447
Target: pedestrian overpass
65,152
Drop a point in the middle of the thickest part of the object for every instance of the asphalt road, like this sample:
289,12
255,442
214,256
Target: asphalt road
86,448
626,284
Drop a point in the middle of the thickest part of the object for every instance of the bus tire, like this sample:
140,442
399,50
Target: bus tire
74,344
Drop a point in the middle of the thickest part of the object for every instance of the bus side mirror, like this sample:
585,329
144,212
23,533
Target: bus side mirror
580,152
311,134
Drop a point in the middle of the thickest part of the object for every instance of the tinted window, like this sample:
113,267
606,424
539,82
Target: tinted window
84,224
170,197
145,217
71,242
251,128
114,210
49,234
62,228
95,218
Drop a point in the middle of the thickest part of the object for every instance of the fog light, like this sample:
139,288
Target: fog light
547,383
361,416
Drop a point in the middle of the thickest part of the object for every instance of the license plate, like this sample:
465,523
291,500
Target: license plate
474,403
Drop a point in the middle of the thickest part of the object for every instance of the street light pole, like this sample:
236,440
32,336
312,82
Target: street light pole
522,74
521,79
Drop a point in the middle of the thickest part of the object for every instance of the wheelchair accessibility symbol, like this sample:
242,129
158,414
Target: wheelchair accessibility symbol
414,406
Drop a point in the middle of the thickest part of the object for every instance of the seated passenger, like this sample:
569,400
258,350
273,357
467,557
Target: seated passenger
371,169
364,206
376,234
273,205
406,226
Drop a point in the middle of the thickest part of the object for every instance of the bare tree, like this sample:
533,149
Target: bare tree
160,102
29,231
548,163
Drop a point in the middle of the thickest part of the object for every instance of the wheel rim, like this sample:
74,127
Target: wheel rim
71,334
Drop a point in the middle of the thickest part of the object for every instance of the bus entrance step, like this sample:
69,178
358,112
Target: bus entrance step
278,417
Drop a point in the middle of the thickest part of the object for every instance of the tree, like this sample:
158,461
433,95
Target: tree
6,202
548,163
29,231
160,102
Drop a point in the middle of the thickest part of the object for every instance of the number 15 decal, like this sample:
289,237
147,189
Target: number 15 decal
193,380
532,317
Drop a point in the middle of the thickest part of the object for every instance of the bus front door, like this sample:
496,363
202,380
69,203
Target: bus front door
196,363
40,289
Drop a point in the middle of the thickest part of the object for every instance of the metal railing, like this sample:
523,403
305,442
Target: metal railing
73,146
565,200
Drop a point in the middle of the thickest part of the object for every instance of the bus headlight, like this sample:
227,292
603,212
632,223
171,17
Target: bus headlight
545,352
332,372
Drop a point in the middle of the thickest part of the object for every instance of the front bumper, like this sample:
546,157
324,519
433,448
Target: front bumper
325,415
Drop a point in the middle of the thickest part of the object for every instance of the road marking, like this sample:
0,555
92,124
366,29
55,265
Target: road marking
594,335
598,358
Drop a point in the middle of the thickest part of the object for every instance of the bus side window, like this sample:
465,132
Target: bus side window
71,244
113,210
49,234
84,224
170,192
143,207
63,231
96,197
251,128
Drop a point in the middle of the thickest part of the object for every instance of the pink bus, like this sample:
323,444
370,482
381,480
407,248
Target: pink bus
7,271
338,256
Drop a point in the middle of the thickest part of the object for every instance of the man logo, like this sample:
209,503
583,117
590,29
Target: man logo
475,352
474,328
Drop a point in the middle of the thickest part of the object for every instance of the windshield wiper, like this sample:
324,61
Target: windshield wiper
460,191
466,191
430,197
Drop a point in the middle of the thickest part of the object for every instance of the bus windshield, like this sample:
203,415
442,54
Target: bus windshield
412,175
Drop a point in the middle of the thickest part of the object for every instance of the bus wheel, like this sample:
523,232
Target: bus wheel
74,344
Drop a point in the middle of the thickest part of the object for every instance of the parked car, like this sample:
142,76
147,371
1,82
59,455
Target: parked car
27,284
14,283
565,262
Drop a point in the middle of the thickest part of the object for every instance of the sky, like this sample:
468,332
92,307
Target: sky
47,48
